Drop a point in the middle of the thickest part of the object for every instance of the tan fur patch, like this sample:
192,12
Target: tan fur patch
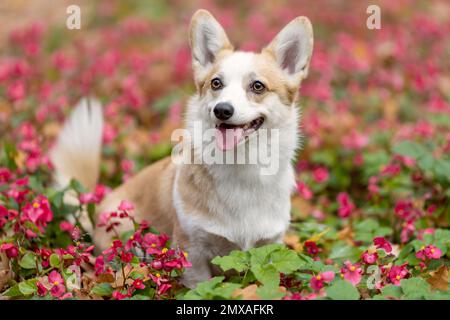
196,189
273,78
150,191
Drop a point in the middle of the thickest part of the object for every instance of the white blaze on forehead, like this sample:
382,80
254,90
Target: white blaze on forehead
236,66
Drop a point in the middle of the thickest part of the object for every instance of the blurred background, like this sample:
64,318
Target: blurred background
367,91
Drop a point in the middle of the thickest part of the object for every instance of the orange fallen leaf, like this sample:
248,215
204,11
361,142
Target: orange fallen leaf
293,241
106,277
346,234
439,278
249,292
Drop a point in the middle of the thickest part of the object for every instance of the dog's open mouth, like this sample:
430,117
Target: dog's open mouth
229,136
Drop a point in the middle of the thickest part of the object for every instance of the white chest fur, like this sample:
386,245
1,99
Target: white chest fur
246,209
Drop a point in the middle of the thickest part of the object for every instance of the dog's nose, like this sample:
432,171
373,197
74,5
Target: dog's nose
223,110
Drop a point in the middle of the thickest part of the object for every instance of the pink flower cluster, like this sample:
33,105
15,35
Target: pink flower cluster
153,254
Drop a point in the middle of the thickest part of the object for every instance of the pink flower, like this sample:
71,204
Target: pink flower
346,206
94,197
382,243
422,232
57,282
369,257
317,282
373,187
391,170
405,210
138,284
351,272
127,165
41,290
396,273
408,229
126,206
45,256
157,264
318,214
312,248
119,295
320,174
429,252
10,250
87,198
66,226
355,140
38,211
5,175
304,191
163,288
109,133
16,91
298,296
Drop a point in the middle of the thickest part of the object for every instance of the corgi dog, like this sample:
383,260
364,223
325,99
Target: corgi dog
210,209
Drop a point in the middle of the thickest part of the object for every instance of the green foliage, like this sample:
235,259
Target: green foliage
342,290
212,289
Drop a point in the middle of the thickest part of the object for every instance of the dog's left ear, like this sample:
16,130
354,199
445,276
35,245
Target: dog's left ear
206,38
292,48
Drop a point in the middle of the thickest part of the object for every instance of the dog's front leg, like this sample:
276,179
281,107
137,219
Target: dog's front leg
200,270
193,242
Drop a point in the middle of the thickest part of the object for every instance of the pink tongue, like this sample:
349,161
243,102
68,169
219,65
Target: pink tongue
227,139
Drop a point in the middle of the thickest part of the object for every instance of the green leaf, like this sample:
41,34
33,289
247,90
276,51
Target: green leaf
102,290
286,260
14,291
77,186
28,261
415,288
261,254
391,291
266,274
367,225
54,260
267,292
410,149
342,290
404,253
225,290
212,289
442,170
91,213
344,251
237,260
26,288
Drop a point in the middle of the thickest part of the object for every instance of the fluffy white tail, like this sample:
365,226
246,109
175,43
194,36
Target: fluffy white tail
76,153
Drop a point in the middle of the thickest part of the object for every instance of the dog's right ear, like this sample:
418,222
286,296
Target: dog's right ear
206,38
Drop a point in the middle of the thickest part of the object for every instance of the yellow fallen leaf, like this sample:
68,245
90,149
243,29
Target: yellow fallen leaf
316,237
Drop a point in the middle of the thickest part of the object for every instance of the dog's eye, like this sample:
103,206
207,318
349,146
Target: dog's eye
258,87
216,84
